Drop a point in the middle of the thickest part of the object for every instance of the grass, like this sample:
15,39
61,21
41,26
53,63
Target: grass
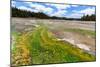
42,47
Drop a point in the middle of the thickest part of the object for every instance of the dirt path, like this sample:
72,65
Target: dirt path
24,23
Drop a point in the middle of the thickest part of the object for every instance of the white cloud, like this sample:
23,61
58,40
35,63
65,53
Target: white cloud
40,8
26,8
59,6
74,5
59,13
86,11
36,7
48,10
74,15
89,2
13,3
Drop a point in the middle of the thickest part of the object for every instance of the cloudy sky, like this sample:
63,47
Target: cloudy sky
90,2
59,10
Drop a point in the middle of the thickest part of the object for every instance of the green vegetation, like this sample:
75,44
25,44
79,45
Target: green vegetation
41,47
89,17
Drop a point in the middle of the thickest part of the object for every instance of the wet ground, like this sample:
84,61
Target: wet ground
58,28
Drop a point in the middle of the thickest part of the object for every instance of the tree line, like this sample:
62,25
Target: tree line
89,17
24,13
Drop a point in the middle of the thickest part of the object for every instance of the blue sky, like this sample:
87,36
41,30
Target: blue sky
59,10
90,2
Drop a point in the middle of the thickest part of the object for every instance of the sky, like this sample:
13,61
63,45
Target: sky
52,9
90,2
